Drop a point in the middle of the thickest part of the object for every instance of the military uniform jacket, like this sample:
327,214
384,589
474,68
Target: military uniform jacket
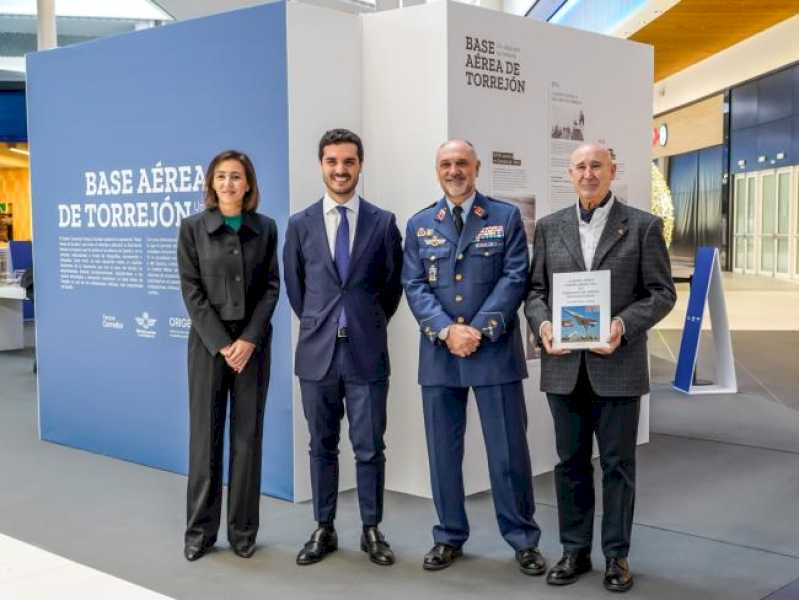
478,279
229,276
641,294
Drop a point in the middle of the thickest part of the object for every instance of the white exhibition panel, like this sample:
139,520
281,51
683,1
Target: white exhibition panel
554,77
324,91
420,68
399,78
404,121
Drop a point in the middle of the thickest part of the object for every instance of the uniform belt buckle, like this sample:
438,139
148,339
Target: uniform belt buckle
342,333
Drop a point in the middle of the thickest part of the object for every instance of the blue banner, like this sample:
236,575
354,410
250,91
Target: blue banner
689,346
121,130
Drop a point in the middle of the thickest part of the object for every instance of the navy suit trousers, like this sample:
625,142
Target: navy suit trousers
324,403
504,420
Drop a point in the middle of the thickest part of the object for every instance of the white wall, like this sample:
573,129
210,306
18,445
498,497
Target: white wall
397,77
581,63
324,91
404,121
766,51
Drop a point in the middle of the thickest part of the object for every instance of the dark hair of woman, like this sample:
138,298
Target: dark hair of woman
250,200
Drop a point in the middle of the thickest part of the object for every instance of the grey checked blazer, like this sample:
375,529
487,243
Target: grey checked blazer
641,293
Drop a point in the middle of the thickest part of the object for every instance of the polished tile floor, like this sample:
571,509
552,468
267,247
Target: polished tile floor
716,516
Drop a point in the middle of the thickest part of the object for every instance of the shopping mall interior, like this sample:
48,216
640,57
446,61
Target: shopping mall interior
716,513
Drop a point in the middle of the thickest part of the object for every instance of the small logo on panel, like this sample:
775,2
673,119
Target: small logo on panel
111,322
179,327
145,325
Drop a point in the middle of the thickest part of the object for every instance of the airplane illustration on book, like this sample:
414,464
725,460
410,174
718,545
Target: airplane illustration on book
585,322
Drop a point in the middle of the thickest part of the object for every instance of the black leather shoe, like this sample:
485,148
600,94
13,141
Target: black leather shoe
323,541
569,568
617,575
244,549
374,543
531,562
440,557
193,551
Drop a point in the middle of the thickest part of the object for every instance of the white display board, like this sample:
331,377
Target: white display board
320,97
525,94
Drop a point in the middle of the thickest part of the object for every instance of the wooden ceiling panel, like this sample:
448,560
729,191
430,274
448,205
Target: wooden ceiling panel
694,30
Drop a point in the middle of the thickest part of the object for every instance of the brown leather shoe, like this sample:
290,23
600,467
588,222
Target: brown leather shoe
569,568
440,557
617,575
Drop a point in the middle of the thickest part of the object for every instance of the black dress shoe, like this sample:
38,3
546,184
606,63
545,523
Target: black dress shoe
569,568
440,557
617,575
374,543
194,550
244,549
531,562
323,541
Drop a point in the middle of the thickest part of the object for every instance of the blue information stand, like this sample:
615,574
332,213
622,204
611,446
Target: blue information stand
706,288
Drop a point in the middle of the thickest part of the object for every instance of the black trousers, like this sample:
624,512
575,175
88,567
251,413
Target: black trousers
211,383
614,420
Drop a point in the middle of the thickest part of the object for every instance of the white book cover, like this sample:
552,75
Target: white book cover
581,309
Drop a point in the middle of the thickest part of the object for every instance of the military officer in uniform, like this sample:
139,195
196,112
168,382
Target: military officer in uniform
464,275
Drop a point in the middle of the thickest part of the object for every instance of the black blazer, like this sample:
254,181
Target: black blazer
229,276
371,292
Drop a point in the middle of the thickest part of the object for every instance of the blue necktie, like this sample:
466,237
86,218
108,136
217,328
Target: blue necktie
342,255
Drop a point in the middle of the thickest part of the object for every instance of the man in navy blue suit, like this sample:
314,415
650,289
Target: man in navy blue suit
342,263
465,275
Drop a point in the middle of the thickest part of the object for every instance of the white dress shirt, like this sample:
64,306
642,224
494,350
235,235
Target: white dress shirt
591,232
333,218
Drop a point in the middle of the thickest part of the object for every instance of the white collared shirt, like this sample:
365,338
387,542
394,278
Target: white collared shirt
466,205
589,240
333,218
591,232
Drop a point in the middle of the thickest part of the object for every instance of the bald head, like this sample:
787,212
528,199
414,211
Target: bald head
591,170
457,167
593,148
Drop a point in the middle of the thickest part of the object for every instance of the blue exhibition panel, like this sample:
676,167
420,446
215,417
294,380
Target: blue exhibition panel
692,330
121,130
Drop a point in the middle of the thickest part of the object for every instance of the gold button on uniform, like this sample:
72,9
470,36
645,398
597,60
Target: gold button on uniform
458,277
433,258
460,319
458,298
460,256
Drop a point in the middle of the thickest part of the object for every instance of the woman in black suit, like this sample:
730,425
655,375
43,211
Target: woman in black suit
227,256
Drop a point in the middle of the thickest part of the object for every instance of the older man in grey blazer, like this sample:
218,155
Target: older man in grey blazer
598,392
